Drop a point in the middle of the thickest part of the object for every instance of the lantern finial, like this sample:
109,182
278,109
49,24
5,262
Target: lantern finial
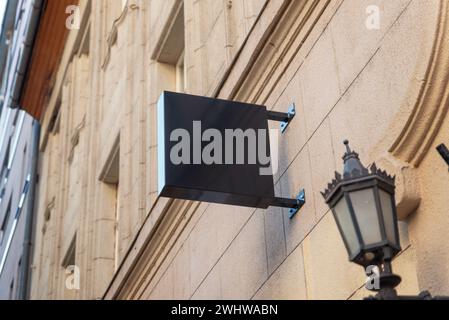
346,143
352,165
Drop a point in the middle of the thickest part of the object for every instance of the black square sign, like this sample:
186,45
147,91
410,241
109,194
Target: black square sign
214,150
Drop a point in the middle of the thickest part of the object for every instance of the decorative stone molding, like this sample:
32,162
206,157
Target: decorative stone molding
424,122
274,52
47,213
168,43
112,37
407,186
75,138
271,63
432,104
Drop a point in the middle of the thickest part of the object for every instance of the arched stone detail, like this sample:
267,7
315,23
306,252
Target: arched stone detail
417,135
432,105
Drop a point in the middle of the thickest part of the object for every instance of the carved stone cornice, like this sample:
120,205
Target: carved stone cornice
259,65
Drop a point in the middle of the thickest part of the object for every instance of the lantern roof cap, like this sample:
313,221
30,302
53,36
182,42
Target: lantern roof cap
354,170
352,164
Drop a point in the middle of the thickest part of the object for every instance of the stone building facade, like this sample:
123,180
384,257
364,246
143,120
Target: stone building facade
371,71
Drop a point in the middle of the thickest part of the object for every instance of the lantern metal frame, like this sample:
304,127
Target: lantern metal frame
355,178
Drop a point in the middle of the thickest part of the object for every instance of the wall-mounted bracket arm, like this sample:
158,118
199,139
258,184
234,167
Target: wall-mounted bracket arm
283,117
293,204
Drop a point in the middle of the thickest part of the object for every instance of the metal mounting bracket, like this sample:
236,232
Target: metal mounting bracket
444,152
293,204
284,117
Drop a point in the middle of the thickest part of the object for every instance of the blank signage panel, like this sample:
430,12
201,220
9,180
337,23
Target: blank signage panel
234,184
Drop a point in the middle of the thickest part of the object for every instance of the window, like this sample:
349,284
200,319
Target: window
110,176
4,225
171,48
70,256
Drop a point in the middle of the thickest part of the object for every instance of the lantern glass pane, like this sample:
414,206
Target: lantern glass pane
343,217
387,204
366,214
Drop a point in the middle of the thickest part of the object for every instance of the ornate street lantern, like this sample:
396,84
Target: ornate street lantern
363,205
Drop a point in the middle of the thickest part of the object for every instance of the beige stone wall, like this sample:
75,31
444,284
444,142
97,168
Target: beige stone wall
347,82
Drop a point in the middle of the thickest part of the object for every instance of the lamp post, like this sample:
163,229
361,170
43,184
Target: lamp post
363,205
